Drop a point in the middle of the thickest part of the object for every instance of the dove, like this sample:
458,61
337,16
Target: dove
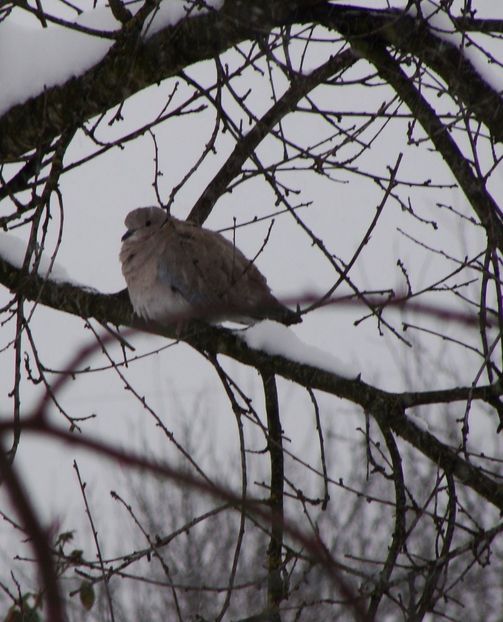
176,270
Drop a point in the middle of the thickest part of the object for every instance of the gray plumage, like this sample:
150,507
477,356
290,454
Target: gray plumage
175,270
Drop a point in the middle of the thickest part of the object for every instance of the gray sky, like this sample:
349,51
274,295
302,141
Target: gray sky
177,382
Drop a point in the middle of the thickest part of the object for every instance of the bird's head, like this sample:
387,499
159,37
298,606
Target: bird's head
143,222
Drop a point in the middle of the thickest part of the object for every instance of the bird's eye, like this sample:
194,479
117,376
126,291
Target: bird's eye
148,223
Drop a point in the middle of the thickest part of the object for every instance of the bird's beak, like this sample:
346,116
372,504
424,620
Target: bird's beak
128,234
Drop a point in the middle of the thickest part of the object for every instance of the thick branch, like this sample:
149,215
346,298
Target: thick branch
474,188
386,407
133,64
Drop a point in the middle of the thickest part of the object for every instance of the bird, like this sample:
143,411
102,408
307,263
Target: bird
176,270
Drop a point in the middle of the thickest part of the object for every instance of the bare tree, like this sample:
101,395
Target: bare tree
386,122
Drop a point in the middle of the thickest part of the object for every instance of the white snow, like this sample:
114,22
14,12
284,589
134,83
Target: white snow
13,250
278,340
172,11
33,58
419,421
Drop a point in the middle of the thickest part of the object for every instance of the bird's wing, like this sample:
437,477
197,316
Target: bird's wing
207,269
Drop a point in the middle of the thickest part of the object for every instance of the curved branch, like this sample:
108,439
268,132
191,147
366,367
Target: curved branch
399,532
116,309
474,188
22,503
133,64
428,599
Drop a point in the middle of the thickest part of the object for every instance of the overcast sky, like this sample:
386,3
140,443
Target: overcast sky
178,382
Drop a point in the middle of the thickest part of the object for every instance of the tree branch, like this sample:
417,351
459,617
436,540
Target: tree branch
412,35
386,407
134,63
474,188
275,587
300,86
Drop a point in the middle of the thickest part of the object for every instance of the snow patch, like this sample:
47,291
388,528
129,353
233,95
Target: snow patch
33,58
13,250
420,422
278,340
170,13
50,56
